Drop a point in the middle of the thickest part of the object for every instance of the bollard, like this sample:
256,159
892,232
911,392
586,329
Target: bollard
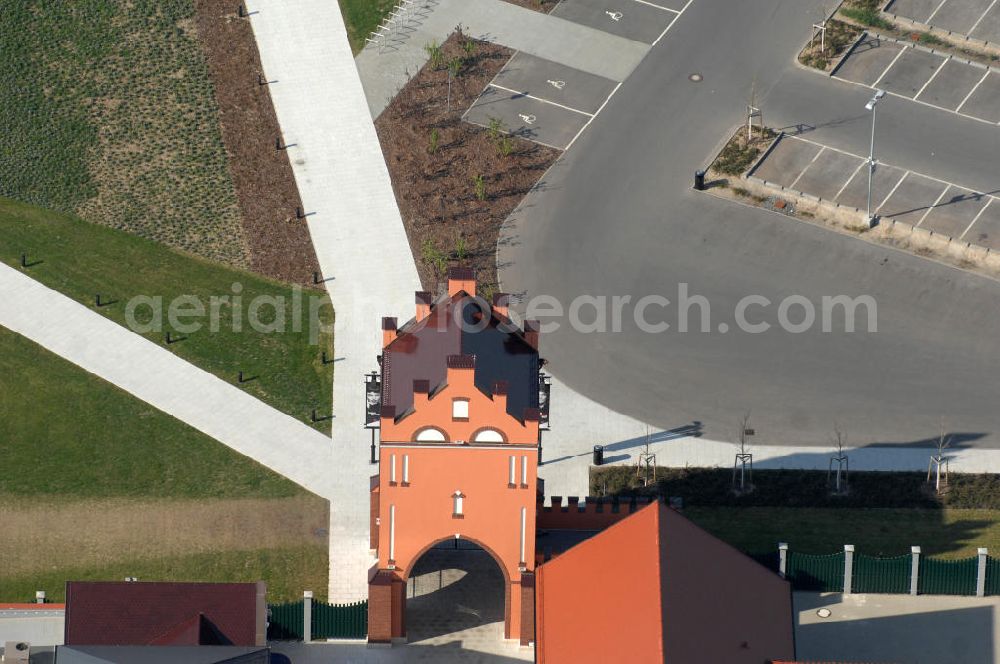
598,455
699,180
307,600
914,569
981,572
782,559
848,568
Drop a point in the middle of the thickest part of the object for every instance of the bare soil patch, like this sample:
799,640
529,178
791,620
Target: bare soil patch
94,533
279,242
543,6
455,183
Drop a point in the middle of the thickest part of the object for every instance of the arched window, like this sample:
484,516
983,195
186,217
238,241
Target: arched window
430,435
488,436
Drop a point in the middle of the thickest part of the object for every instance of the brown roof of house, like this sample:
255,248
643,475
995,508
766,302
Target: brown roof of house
658,588
456,335
152,613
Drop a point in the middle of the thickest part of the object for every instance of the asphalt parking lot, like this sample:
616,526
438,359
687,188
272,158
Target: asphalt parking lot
543,101
978,19
641,20
897,193
912,72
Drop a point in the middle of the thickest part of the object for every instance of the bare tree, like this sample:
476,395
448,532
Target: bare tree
840,479
939,459
744,459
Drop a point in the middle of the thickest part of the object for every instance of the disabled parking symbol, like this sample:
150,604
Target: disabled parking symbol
613,15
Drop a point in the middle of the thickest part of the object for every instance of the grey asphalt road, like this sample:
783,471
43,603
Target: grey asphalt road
616,216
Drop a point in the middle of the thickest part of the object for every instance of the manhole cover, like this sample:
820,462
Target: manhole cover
824,613
695,77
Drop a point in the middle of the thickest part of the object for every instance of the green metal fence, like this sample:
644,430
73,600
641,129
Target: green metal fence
816,573
345,621
993,576
285,621
881,575
948,577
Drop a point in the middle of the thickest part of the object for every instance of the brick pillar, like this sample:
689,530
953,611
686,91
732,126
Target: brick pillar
506,610
380,608
527,608
398,607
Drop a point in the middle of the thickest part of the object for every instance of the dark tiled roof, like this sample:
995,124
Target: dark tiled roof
425,349
144,613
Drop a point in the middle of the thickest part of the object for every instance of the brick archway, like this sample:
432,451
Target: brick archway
388,597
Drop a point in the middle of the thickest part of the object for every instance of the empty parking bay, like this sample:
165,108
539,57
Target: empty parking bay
555,82
918,10
986,231
625,18
884,180
910,72
826,176
954,212
989,26
788,158
526,117
914,196
952,84
959,15
985,101
868,60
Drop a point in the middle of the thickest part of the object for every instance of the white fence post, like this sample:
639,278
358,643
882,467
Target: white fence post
307,610
914,569
782,558
848,567
981,574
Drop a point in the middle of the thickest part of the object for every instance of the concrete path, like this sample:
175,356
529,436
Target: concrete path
356,230
572,44
166,382
926,629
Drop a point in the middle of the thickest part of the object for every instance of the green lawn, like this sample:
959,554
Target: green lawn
67,433
109,113
945,533
362,17
81,260
287,572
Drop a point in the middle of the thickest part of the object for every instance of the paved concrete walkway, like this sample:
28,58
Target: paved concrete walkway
356,230
167,382
572,44
926,629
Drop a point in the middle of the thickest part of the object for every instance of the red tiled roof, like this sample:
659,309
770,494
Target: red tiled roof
144,613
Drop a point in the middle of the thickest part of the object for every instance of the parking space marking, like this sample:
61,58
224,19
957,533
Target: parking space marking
980,19
666,9
928,104
974,87
924,86
898,56
848,181
892,191
570,144
803,171
666,29
933,13
989,200
934,205
544,101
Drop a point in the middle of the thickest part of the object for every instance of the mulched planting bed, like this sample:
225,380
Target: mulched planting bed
435,160
544,6
279,242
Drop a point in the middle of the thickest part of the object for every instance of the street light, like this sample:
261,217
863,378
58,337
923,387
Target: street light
870,106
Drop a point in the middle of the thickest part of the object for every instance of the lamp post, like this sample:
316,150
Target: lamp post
870,106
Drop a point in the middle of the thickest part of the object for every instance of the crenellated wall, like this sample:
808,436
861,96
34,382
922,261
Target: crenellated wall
592,513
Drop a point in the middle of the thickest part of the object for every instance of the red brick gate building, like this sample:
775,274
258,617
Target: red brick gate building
459,432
